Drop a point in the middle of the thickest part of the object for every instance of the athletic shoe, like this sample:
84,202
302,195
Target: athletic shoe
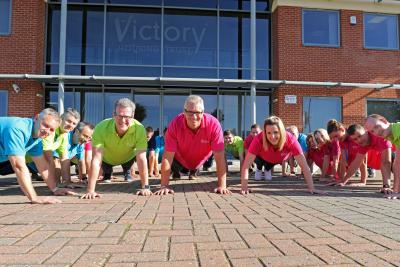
268,175
258,175
128,177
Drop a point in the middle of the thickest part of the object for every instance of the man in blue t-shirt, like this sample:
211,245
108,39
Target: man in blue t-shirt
23,136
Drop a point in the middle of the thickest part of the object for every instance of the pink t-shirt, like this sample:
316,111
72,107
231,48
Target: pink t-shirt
193,149
317,156
331,148
247,141
376,143
88,146
290,148
350,149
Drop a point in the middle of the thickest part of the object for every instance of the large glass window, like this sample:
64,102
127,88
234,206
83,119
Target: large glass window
111,97
5,17
262,112
321,28
228,112
173,105
71,100
133,37
317,111
381,31
3,103
148,109
192,43
93,108
390,109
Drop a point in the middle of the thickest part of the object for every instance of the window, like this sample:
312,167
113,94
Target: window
381,31
317,111
3,103
5,17
390,109
321,28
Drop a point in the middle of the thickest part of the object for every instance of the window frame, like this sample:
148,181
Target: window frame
5,91
397,32
316,44
9,22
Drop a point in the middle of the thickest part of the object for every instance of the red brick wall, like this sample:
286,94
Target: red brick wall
348,63
23,52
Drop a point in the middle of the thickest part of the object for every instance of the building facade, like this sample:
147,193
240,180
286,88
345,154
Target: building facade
320,40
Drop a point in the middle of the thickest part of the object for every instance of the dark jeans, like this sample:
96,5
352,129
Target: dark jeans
107,168
262,163
209,162
178,167
6,168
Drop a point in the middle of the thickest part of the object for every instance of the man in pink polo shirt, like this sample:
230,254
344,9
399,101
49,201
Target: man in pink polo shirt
366,142
191,138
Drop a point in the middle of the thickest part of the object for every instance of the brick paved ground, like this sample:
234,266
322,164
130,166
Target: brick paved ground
278,225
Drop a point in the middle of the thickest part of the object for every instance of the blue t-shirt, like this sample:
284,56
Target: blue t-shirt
160,144
16,138
303,142
77,150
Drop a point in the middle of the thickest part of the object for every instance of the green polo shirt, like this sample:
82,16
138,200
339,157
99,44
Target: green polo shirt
236,147
394,138
56,142
118,150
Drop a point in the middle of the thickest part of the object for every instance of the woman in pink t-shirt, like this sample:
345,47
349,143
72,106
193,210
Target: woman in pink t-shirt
330,152
272,146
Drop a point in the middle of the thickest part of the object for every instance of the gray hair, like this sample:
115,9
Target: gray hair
125,103
50,112
82,125
195,99
71,112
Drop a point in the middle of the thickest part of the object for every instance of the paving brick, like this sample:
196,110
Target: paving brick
168,264
17,230
252,253
391,256
182,251
221,245
304,260
368,259
138,257
289,247
23,259
246,262
14,249
156,243
125,248
67,255
81,234
329,255
92,259
369,247
93,240
51,245
213,258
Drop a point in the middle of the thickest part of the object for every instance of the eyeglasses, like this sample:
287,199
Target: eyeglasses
122,117
193,113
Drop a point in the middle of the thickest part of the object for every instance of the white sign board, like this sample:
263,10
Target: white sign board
290,99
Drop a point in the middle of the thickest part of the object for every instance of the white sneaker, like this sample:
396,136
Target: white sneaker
268,175
258,175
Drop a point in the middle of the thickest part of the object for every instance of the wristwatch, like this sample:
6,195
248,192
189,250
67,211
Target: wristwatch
147,186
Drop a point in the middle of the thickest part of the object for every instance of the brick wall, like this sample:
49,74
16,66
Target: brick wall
348,63
23,52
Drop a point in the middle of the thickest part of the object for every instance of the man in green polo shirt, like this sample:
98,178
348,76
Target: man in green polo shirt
234,145
380,126
119,141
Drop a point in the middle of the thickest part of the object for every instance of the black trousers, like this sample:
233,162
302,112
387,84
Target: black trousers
107,168
178,167
6,168
260,163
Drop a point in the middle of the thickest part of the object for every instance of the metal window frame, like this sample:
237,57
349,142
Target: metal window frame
5,92
8,33
397,31
338,28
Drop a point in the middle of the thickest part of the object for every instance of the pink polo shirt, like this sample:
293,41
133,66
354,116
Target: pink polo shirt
88,146
290,148
376,143
317,156
247,141
349,149
193,149
332,148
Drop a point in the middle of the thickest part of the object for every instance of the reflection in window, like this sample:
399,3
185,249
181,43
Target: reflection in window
210,103
262,112
228,112
71,100
5,17
133,38
192,43
314,118
3,103
148,110
320,27
390,109
381,31
132,71
173,105
190,72
185,3
235,41
110,98
93,108
261,5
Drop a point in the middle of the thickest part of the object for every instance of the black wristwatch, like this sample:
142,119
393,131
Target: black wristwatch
147,186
